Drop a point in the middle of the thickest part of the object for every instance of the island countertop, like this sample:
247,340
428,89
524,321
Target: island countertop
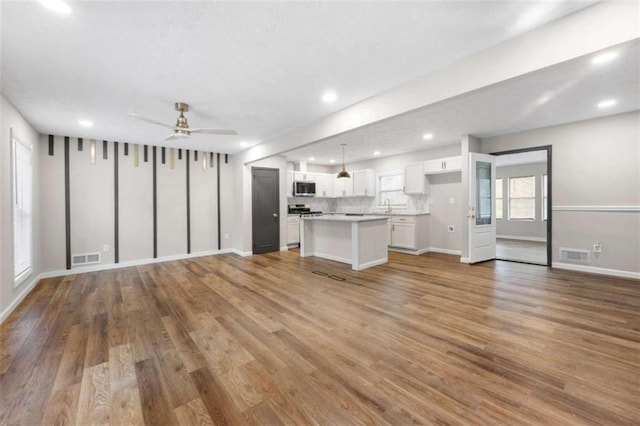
345,218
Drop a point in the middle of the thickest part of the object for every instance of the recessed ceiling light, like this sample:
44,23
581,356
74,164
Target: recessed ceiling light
376,152
332,161
311,158
604,57
427,136
608,103
329,97
85,123
244,144
58,6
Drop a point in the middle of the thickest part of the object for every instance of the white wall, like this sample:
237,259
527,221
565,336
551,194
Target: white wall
594,163
522,228
10,118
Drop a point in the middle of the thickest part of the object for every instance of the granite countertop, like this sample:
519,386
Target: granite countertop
344,218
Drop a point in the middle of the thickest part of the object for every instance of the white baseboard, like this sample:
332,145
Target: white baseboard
284,248
596,270
240,253
464,260
27,289
517,237
409,251
445,251
372,264
128,264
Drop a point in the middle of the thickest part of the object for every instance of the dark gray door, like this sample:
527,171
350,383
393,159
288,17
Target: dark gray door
265,209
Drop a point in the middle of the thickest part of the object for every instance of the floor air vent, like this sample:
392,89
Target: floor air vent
574,255
85,259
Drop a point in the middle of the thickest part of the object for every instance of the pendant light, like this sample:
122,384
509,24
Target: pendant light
343,173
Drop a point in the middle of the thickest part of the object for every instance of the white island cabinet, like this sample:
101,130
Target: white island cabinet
357,240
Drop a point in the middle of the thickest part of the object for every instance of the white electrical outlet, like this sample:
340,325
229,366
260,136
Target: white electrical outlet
451,228
226,236
597,247
105,248
452,201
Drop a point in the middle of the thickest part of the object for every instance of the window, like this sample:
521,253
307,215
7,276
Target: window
499,198
522,198
22,209
390,187
544,197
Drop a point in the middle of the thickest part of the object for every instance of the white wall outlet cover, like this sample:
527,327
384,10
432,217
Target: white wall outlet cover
452,200
226,236
597,247
105,248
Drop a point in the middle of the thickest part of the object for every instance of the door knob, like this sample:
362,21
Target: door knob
472,216
275,215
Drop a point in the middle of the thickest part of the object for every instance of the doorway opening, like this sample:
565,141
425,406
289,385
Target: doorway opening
523,205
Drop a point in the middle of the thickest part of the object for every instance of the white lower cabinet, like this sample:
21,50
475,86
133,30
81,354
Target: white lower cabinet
410,233
293,230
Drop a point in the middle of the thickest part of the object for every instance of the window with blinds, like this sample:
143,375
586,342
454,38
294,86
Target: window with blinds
22,209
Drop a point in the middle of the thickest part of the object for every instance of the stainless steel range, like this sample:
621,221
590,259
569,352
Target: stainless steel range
302,210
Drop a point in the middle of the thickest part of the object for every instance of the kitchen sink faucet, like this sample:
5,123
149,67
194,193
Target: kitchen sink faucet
387,204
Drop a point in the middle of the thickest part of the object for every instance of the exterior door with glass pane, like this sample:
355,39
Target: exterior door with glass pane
482,201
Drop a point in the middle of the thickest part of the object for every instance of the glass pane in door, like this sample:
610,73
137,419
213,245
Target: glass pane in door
483,193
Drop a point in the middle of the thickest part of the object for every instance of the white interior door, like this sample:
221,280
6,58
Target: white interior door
482,201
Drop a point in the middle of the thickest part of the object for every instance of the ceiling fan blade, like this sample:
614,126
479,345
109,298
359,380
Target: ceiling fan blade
149,120
171,137
214,131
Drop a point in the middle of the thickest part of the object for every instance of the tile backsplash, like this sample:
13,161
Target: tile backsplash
416,203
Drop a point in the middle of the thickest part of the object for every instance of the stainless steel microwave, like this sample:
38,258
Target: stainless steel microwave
304,188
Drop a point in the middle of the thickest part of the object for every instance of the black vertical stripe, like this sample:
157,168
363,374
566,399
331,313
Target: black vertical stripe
211,159
126,148
105,149
116,222
155,203
67,202
226,158
188,207
180,154
195,155
79,144
218,195
146,154
50,144
162,155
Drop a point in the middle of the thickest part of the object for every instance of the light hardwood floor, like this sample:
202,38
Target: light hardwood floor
276,339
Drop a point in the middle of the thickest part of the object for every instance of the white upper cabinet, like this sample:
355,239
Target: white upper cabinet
443,165
415,181
324,185
306,176
364,183
343,187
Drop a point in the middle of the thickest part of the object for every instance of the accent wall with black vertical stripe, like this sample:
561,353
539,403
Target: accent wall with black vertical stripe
107,208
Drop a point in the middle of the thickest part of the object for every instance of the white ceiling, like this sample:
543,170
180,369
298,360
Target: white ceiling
256,67
560,94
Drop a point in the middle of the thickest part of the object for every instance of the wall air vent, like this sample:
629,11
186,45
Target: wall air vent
574,256
85,259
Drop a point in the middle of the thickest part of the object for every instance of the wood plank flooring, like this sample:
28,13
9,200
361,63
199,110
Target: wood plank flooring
276,339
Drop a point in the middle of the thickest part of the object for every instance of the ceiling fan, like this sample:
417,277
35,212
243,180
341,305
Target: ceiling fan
181,128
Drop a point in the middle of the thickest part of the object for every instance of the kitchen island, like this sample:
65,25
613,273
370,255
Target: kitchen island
360,241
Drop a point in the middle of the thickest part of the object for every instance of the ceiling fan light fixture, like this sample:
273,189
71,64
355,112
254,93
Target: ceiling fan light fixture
343,173
181,134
